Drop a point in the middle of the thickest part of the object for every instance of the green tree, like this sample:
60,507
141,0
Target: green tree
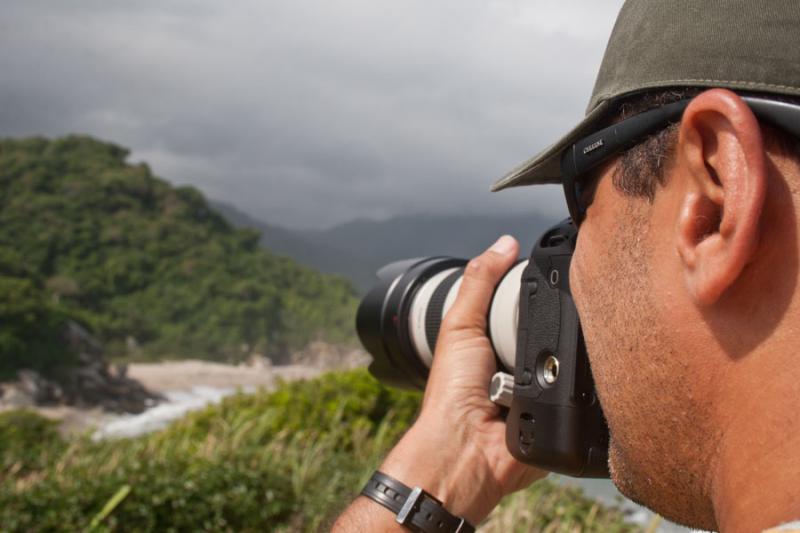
89,236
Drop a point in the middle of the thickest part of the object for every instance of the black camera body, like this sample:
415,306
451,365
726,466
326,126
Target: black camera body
553,420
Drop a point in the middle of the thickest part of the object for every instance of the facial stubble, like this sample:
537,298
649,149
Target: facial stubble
659,448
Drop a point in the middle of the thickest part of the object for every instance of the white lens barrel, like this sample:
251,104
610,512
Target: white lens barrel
420,306
503,314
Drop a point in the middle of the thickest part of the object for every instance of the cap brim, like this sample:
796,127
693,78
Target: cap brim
546,166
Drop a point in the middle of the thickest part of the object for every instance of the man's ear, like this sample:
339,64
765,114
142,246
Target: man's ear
721,152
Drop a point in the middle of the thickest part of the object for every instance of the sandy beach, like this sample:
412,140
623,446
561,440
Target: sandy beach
184,375
186,385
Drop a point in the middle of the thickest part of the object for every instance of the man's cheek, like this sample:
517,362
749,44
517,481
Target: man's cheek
576,278
575,273
581,295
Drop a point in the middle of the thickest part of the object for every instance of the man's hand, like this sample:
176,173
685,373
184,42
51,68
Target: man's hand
456,449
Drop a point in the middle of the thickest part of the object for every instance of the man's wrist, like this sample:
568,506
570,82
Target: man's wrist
454,472
413,507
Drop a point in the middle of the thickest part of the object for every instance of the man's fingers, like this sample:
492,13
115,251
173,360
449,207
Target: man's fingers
480,278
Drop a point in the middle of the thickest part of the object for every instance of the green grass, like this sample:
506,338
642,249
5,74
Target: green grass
288,460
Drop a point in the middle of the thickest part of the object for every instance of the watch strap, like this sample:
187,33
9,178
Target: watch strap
414,508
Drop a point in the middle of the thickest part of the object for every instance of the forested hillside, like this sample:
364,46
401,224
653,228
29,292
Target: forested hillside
149,268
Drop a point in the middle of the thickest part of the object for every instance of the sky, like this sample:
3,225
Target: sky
311,113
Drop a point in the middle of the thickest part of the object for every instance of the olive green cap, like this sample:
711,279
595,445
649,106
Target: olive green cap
751,45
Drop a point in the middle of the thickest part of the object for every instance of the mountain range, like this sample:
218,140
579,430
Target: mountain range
357,249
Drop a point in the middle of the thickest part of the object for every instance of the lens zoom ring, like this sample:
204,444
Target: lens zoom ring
433,315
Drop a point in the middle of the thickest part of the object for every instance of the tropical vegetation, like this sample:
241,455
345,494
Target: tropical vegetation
287,460
149,268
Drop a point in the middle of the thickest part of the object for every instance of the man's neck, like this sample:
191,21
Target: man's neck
756,478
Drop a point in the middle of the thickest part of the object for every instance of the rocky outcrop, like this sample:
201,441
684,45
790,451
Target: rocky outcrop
92,382
330,356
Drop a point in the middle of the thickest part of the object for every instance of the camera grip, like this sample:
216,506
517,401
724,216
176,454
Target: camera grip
555,421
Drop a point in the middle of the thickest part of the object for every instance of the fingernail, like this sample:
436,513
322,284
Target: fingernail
504,245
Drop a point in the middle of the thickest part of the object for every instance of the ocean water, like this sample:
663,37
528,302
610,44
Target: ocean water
177,405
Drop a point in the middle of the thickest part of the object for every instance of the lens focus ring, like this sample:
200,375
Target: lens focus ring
433,316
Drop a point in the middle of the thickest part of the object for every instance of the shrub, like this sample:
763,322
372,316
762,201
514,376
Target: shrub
287,460
28,442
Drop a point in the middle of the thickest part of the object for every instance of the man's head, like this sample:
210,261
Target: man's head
686,264
683,274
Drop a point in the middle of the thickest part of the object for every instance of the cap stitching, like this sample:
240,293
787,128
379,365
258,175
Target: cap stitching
700,80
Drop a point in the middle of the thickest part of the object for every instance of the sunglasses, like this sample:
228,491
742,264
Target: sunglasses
589,152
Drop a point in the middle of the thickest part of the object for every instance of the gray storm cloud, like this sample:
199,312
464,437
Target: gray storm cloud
312,113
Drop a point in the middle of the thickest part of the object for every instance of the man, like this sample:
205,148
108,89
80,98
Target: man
685,277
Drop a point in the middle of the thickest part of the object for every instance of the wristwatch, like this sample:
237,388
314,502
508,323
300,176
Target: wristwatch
414,508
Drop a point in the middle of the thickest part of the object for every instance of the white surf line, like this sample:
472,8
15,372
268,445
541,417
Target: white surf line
177,405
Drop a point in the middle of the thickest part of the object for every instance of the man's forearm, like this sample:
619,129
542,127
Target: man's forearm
365,515
459,480
403,464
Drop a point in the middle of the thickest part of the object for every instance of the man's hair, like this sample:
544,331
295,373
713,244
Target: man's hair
642,168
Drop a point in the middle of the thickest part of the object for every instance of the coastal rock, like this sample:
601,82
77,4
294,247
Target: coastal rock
330,356
94,383
90,383
40,390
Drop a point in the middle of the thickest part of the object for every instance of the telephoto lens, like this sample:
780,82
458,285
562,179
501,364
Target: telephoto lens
553,417
399,319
